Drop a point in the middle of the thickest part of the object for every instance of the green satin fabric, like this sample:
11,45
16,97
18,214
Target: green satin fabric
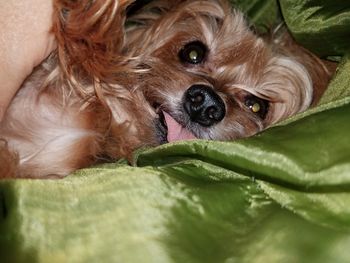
280,196
320,25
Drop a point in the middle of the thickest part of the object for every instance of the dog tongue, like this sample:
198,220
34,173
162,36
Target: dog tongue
175,131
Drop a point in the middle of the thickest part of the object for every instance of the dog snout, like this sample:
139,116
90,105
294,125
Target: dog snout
203,105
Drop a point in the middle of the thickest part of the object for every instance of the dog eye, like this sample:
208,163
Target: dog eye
193,52
257,105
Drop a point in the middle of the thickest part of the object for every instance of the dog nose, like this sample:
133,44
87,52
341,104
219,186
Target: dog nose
204,105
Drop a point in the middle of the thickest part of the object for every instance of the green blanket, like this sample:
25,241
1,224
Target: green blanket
280,196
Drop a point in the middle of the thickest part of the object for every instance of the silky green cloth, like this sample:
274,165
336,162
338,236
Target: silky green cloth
280,196
322,26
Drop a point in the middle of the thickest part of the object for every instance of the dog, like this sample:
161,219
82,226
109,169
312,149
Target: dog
180,70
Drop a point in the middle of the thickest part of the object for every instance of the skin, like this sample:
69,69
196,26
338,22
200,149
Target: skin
25,41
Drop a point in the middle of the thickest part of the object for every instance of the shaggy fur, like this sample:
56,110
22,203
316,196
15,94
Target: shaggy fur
105,92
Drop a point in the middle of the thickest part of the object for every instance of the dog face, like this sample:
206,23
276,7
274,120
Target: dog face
205,74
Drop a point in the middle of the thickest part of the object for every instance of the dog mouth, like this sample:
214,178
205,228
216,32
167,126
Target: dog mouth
170,130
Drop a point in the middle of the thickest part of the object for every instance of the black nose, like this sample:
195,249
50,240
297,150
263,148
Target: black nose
203,105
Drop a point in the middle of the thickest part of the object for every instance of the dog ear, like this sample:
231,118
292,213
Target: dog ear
90,36
320,71
287,85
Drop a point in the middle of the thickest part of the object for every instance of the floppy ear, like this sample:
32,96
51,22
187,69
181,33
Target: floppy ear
90,36
287,84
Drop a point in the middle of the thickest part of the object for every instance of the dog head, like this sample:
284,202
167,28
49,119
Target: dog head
205,74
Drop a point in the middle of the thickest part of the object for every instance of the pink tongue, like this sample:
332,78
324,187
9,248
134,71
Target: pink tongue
175,131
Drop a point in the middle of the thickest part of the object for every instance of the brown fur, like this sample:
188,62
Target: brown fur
99,96
320,70
239,62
